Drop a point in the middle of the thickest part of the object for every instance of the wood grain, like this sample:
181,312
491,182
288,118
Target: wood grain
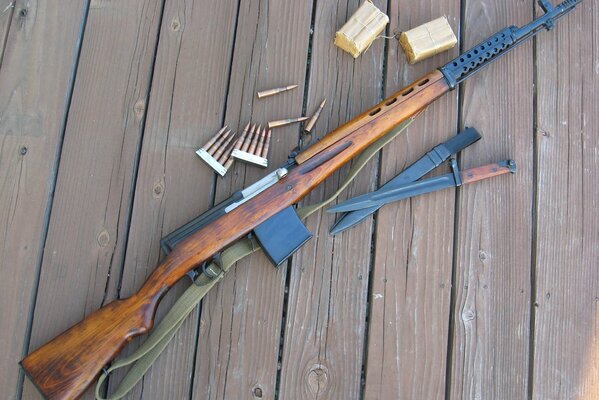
488,171
206,74
35,84
297,183
7,8
325,319
240,325
491,317
89,220
401,99
566,335
66,366
303,179
173,185
84,246
201,245
411,277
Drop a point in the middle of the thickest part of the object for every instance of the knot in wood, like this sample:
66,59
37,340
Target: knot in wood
257,392
158,189
318,378
139,109
468,315
23,150
482,255
175,24
104,238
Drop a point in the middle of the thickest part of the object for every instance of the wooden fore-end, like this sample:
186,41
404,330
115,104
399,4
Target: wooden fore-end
399,107
66,366
488,171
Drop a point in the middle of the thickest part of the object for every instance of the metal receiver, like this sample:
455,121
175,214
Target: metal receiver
171,240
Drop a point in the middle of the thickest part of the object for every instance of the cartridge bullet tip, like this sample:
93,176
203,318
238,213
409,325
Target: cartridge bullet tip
310,125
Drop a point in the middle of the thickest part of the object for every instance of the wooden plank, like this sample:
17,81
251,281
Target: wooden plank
491,318
325,319
87,230
566,356
7,8
241,319
411,279
35,85
89,215
174,185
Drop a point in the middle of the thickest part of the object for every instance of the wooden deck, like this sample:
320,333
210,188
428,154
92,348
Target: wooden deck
487,292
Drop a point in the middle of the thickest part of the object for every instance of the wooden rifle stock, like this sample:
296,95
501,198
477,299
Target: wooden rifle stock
66,366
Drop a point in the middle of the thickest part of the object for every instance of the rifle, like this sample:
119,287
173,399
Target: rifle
67,365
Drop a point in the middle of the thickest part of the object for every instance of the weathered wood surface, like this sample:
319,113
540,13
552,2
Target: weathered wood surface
487,292
566,299
36,80
89,219
90,215
238,347
325,324
411,277
173,185
7,8
492,266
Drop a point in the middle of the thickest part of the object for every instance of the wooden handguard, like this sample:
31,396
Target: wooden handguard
397,108
66,366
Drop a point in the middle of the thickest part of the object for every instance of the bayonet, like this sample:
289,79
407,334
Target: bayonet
417,170
454,179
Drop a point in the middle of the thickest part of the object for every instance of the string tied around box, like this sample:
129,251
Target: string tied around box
368,22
